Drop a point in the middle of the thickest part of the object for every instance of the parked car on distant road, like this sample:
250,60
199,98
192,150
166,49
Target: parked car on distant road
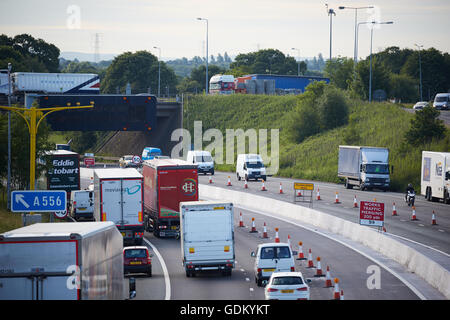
420,105
287,286
137,259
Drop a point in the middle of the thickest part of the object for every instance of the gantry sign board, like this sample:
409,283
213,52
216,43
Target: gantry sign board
371,214
38,201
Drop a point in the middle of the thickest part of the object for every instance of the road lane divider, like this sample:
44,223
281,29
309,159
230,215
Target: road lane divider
164,267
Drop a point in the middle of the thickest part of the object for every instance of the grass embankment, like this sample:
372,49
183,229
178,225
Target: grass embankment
316,158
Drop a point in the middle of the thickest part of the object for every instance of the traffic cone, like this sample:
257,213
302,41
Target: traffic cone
210,179
337,294
289,241
253,229
300,251
229,182
337,198
310,260
433,219
328,283
299,193
413,217
265,231
319,269
241,223
318,194
277,238
394,212
263,187
281,189
342,295
245,185
355,204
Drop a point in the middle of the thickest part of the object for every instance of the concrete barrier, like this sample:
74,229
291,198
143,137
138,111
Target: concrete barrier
412,260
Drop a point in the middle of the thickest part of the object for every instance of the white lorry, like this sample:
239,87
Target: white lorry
207,236
62,261
435,178
118,197
364,167
81,205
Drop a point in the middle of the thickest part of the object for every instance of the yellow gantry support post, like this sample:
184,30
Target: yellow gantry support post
33,113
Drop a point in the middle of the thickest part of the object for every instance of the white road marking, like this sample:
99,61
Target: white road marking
247,279
164,267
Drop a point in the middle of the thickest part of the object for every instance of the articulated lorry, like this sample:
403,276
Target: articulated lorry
435,178
364,167
62,261
207,236
118,197
167,182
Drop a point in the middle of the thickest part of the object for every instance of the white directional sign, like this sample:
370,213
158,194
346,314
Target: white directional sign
38,201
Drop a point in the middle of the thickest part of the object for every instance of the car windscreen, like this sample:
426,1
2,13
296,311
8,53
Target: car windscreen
275,253
254,164
283,281
203,159
135,253
377,168
441,99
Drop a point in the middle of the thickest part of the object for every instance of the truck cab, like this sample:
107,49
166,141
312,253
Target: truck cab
149,153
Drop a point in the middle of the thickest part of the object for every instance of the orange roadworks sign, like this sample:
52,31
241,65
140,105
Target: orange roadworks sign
303,186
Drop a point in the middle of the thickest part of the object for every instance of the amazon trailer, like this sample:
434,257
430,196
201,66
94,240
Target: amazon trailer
207,236
62,261
435,178
118,197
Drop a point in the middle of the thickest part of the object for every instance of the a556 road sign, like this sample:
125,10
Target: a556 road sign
38,201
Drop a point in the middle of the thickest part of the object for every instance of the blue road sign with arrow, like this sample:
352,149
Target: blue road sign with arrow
38,200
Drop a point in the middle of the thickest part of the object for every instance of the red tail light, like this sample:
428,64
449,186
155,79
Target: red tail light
272,290
259,270
302,289
292,269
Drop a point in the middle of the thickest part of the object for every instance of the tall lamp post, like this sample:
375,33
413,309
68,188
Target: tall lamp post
159,71
206,81
330,13
420,69
298,62
355,48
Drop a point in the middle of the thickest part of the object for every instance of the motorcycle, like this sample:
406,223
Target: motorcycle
410,198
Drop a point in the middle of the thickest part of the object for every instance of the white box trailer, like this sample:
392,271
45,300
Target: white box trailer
62,261
435,177
207,236
118,197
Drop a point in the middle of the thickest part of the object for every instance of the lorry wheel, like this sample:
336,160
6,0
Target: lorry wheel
446,197
238,176
348,185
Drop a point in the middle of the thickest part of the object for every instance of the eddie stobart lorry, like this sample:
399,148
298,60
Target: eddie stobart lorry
167,182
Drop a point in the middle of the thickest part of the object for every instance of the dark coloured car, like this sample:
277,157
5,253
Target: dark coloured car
137,259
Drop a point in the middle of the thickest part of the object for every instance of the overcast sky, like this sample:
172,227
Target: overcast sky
235,26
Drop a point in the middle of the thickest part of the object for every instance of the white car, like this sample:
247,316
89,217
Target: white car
420,105
287,286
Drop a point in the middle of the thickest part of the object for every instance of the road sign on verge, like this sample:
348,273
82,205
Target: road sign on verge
371,213
38,201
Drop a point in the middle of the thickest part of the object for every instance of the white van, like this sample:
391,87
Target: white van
82,205
250,166
202,159
272,257
442,101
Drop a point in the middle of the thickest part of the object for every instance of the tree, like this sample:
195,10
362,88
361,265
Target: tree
267,61
333,108
403,87
340,72
425,126
140,69
380,77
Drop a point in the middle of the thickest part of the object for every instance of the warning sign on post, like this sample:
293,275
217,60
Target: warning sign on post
371,214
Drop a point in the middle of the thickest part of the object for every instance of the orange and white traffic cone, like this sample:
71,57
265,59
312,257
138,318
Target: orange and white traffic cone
310,260
229,182
265,231
245,184
433,219
253,229
328,283
336,201
342,295
241,223
281,189
299,193
355,203
300,251
394,211
277,238
336,295
318,194
210,179
263,187
413,216
319,269
289,241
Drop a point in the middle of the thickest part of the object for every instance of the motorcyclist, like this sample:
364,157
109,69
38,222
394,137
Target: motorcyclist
409,188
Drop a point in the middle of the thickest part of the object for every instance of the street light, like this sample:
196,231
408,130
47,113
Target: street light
206,81
420,70
298,62
330,13
355,48
371,38
159,71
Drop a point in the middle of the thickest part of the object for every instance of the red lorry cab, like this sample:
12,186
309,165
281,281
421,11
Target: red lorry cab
167,182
